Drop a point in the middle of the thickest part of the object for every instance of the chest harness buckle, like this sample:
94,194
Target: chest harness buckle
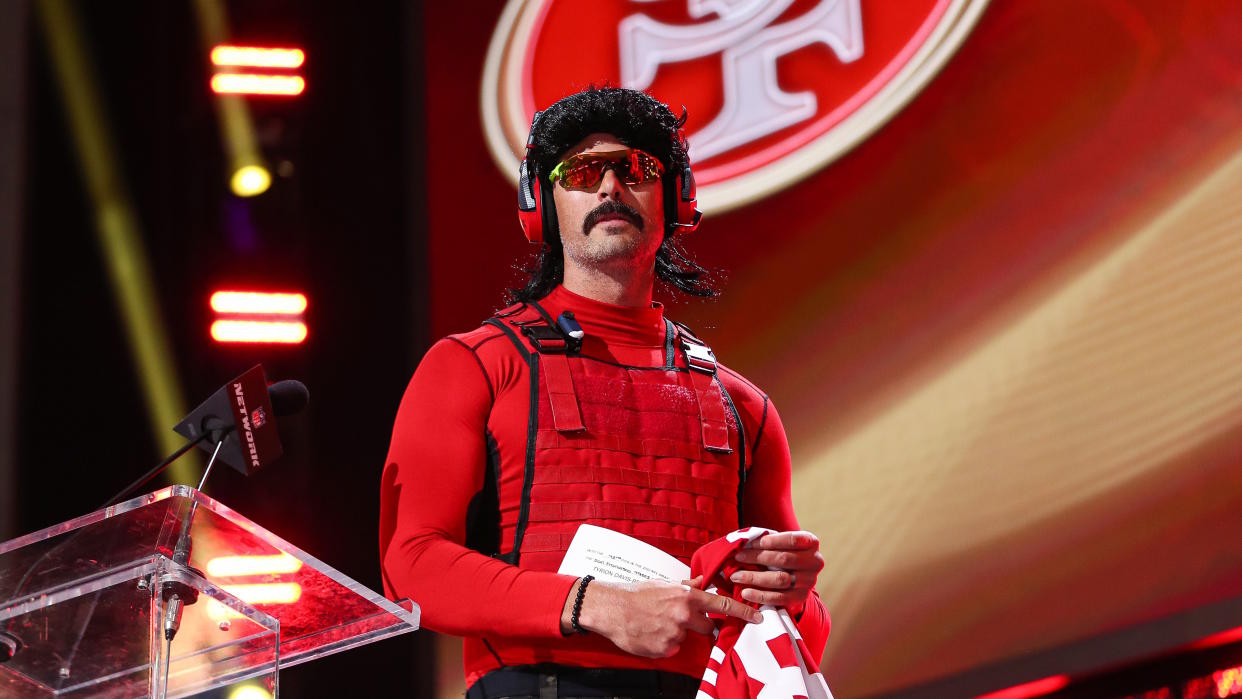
702,363
554,344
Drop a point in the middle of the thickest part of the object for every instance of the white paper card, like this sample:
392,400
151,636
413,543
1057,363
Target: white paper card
615,557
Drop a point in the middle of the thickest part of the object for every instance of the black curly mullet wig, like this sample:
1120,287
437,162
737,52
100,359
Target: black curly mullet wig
639,121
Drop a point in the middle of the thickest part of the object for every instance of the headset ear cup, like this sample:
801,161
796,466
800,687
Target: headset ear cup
529,209
547,208
530,191
687,197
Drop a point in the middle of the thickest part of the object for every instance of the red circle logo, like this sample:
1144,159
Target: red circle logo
775,89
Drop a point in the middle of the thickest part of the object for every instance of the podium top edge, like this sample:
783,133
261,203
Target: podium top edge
99,515
235,518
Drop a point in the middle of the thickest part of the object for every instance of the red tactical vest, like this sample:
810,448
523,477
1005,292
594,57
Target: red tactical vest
655,453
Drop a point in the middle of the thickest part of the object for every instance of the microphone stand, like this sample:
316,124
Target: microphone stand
175,593
159,468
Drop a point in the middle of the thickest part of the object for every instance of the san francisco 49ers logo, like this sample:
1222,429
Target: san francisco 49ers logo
775,89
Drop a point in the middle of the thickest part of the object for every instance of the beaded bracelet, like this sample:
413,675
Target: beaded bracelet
573,619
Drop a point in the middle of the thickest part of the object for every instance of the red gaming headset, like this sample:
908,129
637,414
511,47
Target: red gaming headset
534,189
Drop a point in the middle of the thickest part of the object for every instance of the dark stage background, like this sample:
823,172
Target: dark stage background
346,227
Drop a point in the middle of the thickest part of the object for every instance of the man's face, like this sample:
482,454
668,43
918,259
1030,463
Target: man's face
613,225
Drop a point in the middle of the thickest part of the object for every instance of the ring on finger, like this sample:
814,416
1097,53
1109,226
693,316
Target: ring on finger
793,579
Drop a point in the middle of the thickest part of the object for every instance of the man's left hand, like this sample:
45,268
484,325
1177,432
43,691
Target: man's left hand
795,563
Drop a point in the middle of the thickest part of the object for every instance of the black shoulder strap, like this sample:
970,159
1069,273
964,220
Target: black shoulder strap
670,342
742,470
700,358
511,310
504,327
544,348
532,427
539,309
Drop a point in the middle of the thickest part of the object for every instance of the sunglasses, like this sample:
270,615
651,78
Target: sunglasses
585,170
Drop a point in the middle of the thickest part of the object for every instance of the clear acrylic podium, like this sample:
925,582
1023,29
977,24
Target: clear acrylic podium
83,602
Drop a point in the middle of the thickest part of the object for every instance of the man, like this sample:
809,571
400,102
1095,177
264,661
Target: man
582,404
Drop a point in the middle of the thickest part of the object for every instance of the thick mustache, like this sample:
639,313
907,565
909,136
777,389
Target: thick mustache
612,206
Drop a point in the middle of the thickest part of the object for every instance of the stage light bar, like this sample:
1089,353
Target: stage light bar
253,593
259,331
257,57
232,566
265,593
256,84
259,316
258,303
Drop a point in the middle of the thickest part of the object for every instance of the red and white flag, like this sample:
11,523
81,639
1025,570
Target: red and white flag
767,660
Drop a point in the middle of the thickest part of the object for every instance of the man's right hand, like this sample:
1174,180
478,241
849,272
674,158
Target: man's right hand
651,618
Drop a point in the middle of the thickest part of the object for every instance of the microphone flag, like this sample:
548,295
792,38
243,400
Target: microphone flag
242,411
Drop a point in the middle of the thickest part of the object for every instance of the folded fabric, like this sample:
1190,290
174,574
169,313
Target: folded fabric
767,660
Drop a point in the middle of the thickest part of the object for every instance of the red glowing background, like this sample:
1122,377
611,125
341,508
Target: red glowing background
1003,332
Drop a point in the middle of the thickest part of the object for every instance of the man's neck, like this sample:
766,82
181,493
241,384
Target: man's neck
626,288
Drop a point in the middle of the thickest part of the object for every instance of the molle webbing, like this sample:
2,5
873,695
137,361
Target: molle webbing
640,450
566,413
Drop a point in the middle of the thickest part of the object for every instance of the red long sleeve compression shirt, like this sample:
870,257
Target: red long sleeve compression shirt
470,396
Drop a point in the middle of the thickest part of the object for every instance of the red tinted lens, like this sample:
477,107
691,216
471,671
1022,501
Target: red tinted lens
583,175
641,167
585,170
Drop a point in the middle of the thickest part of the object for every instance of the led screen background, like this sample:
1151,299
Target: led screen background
1004,333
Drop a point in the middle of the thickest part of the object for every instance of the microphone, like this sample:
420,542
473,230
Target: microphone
289,397
286,398
239,419
246,400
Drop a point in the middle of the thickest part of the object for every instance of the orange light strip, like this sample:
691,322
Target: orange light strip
258,331
258,303
265,593
1037,688
1219,639
255,84
257,57
228,566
